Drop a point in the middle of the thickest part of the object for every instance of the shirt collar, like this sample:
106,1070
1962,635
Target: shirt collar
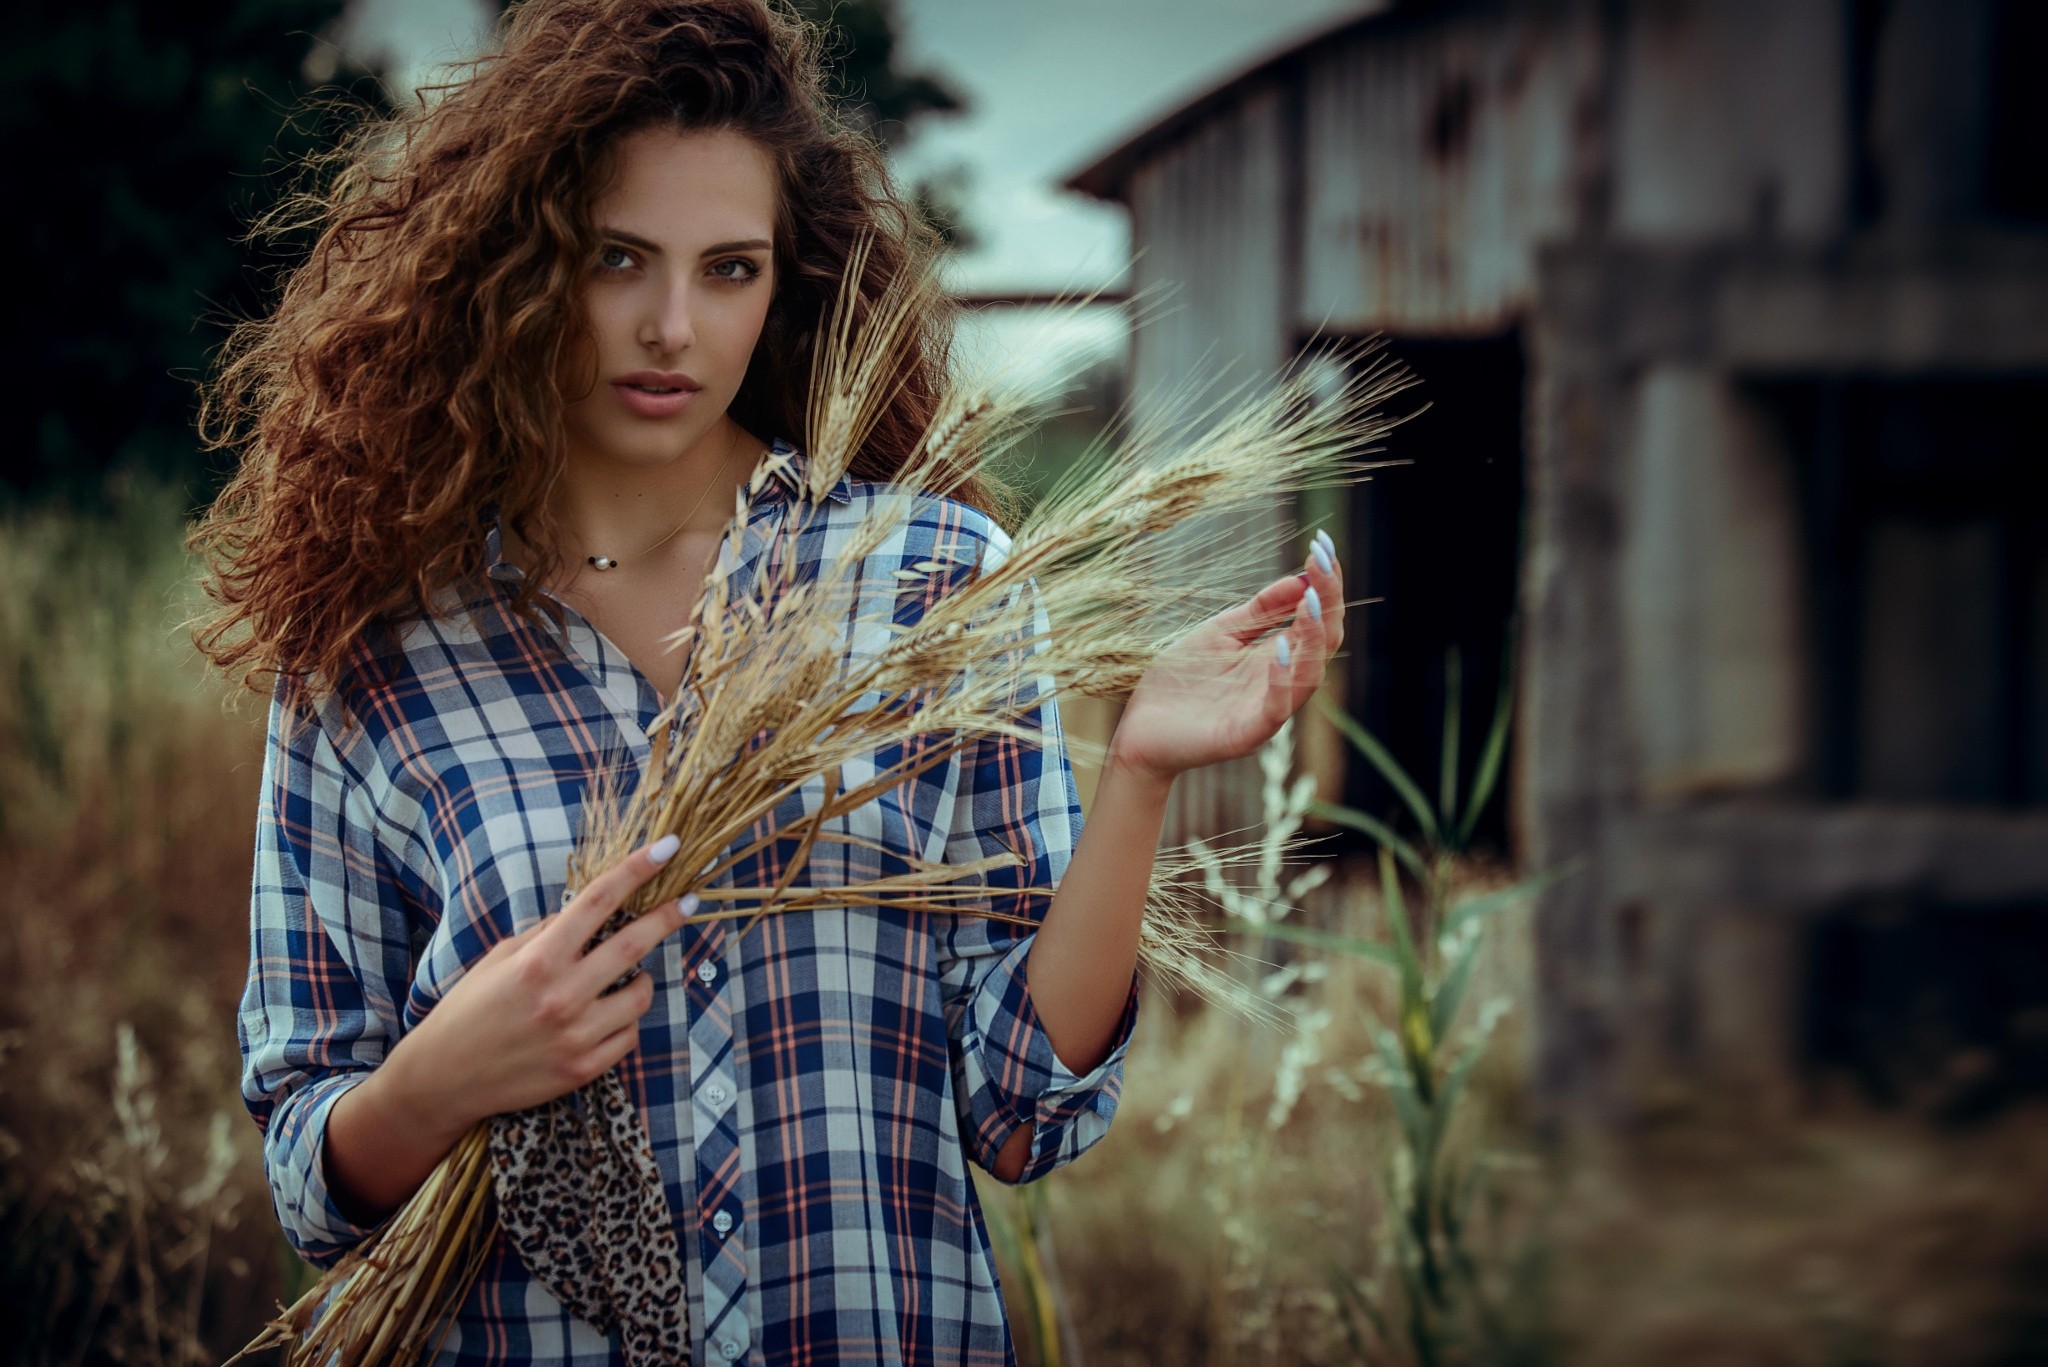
786,466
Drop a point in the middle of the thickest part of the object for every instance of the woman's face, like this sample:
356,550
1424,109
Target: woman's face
675,297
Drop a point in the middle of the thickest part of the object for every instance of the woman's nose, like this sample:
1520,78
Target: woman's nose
669,326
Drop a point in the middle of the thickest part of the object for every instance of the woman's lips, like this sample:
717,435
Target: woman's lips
649,405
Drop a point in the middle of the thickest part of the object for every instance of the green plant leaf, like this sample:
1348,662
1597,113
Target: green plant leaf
1420,1037
1381,759
1443,1009
1494,751
1380,831
1454,706
1397,928
1401,1087
1415,1284
1375,950
1487,903
1454,1081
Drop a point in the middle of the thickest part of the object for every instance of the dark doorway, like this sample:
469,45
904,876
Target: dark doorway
1926,511
1438,541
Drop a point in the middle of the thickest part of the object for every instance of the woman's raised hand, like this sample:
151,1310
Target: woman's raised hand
532,1019
1222,690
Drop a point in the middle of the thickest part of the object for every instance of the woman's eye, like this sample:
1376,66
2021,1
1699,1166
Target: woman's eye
748,270
605,257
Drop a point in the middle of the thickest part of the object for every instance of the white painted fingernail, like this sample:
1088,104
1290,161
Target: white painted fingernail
1323,561
664,849
1323,540
687,903
1280,648
1315,603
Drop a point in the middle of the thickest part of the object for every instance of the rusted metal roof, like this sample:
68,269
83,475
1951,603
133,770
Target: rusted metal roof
1108,176
1427,152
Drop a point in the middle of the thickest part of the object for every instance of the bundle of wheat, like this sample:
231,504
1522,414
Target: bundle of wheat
1109,568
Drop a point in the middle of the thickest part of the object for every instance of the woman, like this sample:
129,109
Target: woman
491,440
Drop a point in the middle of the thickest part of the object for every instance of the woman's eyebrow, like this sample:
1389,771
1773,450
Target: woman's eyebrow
635,240
630,239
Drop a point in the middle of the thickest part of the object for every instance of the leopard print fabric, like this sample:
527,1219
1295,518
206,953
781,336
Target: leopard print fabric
581,1198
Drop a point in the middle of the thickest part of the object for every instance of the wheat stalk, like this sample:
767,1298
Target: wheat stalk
777,704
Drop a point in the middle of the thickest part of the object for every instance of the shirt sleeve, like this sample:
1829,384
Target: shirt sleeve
1019,794
328,952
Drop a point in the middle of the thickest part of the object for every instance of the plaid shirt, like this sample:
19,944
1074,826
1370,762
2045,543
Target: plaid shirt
812,1090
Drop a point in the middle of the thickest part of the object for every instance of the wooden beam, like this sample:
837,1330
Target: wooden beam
1027,299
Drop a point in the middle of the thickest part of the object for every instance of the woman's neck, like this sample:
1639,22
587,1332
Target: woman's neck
621,509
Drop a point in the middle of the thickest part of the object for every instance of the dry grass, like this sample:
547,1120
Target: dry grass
132,1201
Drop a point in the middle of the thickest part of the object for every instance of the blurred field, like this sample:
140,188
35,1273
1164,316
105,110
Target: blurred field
1201,1230
127,817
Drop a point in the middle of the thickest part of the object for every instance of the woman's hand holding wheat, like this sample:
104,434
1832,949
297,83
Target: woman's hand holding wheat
1222,690
531,1020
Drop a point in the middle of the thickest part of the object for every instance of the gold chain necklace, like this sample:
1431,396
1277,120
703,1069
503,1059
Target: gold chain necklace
606,562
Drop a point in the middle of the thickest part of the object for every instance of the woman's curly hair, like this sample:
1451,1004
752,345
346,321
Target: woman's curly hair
407,375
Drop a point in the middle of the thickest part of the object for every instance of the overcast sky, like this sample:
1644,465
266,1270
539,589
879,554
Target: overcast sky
1052,83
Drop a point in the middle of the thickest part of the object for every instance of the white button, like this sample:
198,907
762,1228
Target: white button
722,1221
728,1348
707,970
715,1094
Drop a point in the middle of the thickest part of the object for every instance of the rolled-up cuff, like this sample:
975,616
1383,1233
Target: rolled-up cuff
1068,1111
297,1160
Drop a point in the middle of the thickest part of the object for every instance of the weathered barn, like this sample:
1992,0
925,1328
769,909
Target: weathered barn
1735,318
